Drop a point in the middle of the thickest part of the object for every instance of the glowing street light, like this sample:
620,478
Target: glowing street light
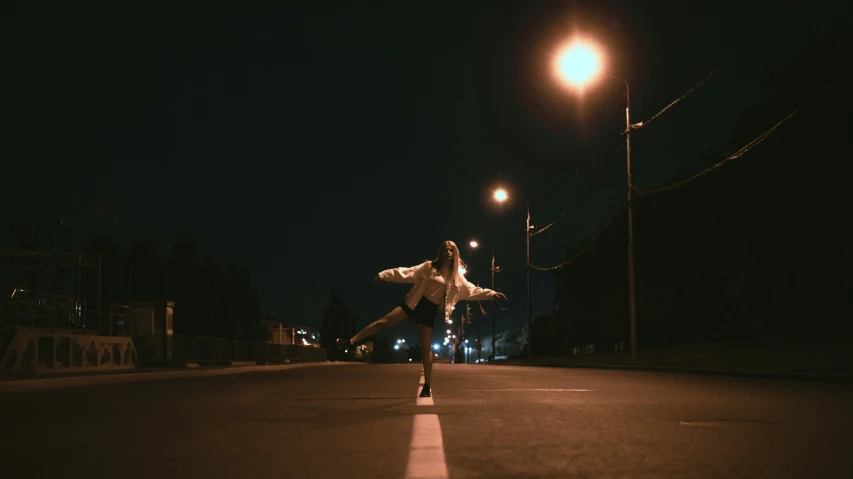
578,63
473,244
500,195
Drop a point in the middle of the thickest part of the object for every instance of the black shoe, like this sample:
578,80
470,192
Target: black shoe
344,343
425,392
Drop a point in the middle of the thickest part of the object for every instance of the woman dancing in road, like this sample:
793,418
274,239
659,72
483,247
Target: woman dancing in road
435,283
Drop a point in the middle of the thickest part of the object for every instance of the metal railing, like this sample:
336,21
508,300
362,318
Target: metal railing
65,314
38,310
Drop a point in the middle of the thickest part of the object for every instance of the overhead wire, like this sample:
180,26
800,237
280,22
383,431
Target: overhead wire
752,144
759,33
576,255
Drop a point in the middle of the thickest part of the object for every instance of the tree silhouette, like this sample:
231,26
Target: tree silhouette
338,322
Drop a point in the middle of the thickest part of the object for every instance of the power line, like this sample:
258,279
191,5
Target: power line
552,223
758,35
575,256
697,86
742,151
597,182
752,144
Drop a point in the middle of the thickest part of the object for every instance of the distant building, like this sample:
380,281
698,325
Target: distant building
364,352
298,334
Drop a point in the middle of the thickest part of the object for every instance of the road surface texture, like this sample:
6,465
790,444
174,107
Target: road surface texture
484,421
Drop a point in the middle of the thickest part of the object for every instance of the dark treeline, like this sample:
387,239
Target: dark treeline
211,299
338,322
761,247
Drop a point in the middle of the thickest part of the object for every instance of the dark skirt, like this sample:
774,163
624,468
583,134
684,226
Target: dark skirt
424,312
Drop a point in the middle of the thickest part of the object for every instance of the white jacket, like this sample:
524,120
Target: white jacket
418,276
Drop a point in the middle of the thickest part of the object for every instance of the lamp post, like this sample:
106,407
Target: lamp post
578,64
500,196
494,310
527,230
474,244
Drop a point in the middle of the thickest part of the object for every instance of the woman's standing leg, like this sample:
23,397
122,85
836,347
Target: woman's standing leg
425,333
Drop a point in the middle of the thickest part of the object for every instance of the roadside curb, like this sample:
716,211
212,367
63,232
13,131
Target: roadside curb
147,374
814,377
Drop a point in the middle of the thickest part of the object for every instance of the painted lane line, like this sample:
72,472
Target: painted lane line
426,452
526,389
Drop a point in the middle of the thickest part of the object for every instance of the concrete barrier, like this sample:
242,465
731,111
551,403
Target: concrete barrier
33,351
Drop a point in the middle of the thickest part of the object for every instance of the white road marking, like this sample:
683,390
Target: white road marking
426,452
525,389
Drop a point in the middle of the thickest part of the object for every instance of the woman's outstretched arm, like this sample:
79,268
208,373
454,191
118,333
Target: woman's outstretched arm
475,293
400,275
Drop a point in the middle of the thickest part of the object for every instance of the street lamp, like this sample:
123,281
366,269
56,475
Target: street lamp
474,245
578,64
501,196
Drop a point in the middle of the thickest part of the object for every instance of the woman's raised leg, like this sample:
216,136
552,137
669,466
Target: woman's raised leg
395,316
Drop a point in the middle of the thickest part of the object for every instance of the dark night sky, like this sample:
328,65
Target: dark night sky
319,144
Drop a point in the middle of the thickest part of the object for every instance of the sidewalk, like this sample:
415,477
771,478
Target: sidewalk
813,361
54,381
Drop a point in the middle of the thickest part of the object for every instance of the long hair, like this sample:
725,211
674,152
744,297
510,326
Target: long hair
457,262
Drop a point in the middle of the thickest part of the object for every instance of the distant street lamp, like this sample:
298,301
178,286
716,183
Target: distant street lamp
474,245
578,64
501,196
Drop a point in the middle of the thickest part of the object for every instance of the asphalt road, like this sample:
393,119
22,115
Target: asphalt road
356,420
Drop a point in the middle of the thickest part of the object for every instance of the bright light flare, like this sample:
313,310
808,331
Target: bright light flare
578,63
473,244
500,195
